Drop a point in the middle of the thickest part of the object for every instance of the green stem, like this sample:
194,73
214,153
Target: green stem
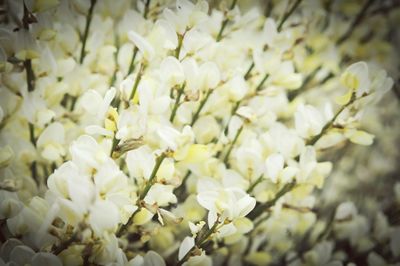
253,185
150,182
179,47
199,241
262,82
86,32
73,103
180,191
247,75
137,80
259,209
132,63
114,144
330,123
360,16
152,176
307,80
288,14
202,103
177,100
114,76
65,244
146,9
225,22
30,76
237,105
232,144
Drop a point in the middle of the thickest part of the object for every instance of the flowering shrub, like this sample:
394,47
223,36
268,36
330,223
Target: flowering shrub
171,132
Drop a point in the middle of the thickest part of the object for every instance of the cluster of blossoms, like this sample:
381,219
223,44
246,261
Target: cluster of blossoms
171,132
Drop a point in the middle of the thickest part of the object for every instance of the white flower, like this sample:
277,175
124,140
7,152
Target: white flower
356,79
359,137
174,140
187,15
307,163
14,252
151,100
104,216
274,165
10,204
159,194
229,203
93,103
52,141
186,245
249,161
34,108
209,75
168,32
270,31
132,124
6,156
142,44
171,72
236,88
308,121
141,162
87,153
150,259
346,210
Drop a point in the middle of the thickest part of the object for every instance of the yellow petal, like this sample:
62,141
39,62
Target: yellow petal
110,125
344,99
258,258
135,99
197,153
350,81
362,138
142,217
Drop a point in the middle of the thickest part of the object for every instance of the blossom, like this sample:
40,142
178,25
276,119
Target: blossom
228,203
198,133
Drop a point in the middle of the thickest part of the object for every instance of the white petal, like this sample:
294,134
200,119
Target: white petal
43,258
22,255
274,165
142,44
186,245
153,259
104,216
345,210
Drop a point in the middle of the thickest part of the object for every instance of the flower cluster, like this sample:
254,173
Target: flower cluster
174,132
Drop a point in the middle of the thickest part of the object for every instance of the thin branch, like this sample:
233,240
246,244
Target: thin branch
258,88
330,122
232,144
254,184
225,22
247,75
360,16
288,14
137,80
65,244
202,103
146,9
259,209
200,241
86,32
142,195
132,63
27,19
153,175
303,87
177,100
